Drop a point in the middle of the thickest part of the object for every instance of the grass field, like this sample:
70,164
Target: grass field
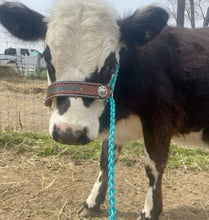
43,145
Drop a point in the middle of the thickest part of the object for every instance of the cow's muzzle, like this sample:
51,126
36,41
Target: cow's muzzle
70,135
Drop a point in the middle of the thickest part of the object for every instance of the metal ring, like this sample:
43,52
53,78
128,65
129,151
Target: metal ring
102,91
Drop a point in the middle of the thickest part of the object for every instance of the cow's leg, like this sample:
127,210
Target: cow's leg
97,196
156,154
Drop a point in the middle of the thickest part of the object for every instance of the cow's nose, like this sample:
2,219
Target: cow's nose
70,136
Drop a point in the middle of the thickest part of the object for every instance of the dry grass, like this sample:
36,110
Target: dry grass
8,71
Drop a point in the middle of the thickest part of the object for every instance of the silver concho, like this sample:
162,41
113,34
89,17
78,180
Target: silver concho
102,91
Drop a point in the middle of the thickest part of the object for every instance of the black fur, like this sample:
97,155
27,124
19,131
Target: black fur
143,25
51,70
103,77
63,104
22,22
166,81
106,73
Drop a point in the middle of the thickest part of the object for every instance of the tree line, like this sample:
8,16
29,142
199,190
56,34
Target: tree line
193,11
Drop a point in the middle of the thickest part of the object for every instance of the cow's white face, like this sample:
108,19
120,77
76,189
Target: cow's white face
82,45
83,42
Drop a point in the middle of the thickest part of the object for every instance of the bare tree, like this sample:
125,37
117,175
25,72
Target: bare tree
192,14
203,6
171,7
195,11
206,19
180,13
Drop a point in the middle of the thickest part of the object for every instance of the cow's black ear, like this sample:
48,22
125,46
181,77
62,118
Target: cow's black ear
22,22
143,25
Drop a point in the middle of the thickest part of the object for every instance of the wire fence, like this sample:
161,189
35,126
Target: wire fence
23,85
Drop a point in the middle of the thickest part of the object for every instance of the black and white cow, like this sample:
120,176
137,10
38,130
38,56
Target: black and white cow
163,80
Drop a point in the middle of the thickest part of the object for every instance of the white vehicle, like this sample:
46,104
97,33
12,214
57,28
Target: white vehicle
26,61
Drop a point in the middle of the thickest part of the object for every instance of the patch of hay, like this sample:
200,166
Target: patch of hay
8,71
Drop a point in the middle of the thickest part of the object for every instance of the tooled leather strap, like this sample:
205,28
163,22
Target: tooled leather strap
76,89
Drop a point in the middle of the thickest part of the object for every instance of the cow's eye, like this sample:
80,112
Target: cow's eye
110,68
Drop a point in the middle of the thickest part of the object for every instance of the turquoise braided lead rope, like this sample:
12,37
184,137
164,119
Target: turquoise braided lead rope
113,81
111,157
111,161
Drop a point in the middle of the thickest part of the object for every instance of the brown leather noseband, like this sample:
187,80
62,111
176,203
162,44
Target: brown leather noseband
76,89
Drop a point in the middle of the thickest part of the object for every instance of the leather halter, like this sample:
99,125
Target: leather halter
76,89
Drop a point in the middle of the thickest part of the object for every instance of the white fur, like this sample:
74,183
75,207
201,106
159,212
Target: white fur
148,205
81,35
130,129
151,164
91,200
79,116
127,130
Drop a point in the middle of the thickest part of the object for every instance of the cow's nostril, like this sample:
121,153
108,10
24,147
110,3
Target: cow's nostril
69,136
78,134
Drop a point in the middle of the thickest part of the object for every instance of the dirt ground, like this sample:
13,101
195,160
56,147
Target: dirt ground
38,188
23,104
